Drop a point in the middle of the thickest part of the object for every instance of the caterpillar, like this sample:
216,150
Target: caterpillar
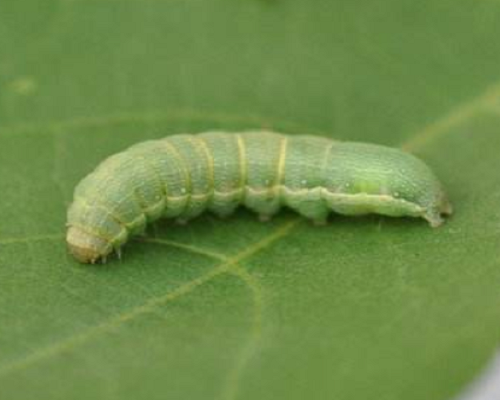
183,175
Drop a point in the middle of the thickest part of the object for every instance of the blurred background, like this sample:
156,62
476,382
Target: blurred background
363,308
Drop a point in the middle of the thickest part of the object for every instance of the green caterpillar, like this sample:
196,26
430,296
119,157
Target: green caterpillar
183,175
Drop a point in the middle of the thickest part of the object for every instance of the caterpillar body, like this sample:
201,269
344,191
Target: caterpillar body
183,175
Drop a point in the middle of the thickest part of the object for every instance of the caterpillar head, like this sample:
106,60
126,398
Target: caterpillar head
87,248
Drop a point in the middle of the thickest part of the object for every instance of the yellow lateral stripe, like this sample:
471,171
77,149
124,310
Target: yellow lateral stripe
182,162
210,165
281,164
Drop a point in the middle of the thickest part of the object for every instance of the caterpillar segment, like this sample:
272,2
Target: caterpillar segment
182,176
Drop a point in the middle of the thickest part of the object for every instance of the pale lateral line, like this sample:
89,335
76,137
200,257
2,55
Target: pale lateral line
113,323
463,113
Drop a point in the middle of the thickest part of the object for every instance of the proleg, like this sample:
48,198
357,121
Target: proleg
182,176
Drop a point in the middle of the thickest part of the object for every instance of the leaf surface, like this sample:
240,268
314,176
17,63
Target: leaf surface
235,309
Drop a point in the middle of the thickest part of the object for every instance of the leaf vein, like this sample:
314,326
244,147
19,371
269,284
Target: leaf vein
81,338
485,102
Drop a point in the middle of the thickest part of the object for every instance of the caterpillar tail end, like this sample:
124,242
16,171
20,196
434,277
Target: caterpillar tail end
435,217
85,247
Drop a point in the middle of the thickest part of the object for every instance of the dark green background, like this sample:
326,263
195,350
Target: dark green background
367,308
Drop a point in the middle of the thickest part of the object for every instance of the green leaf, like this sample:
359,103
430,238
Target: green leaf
370,308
